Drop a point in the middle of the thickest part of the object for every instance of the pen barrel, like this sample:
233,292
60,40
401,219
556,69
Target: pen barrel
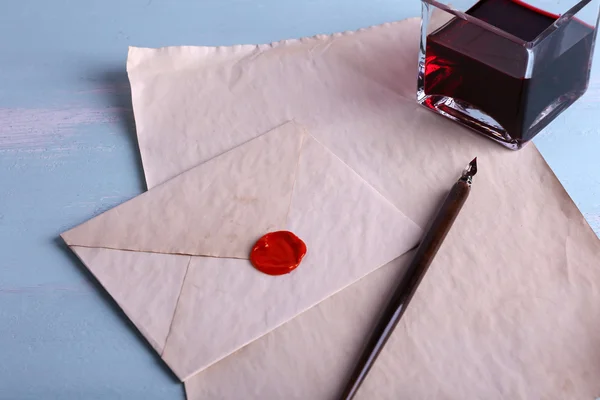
424,255
434,236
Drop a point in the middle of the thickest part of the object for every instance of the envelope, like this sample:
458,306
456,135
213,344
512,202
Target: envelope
510,308
175,258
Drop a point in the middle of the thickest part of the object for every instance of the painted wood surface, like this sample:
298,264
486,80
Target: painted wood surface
68,152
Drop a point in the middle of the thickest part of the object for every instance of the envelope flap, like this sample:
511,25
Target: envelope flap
146,286
219,208
350,231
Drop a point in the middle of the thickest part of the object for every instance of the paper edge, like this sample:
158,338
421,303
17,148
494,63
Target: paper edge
564,192
70,241
147,337
374,189
137,56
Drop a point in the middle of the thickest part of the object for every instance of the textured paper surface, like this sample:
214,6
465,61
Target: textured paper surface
219,209
511,306
211,303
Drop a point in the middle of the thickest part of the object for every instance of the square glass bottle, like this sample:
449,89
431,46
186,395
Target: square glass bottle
505,68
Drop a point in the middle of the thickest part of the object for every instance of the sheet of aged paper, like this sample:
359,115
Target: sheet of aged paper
511,306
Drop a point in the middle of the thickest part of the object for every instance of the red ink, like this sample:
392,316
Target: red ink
458,65
536,9
277,253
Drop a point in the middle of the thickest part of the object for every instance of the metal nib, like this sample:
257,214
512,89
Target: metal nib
470,171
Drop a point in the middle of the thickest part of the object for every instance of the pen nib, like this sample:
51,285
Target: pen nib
471,169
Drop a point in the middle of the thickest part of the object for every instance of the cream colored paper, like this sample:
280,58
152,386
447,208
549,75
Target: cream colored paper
197,309
219,209
511,306
145,285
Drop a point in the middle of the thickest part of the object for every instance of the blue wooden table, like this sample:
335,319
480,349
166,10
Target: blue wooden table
68,152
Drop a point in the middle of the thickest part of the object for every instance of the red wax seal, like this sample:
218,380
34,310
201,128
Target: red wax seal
277,253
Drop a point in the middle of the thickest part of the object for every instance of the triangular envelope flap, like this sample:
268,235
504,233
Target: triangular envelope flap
216,209
350,230
145,285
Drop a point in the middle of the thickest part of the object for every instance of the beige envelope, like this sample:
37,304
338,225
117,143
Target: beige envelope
175,258
510,308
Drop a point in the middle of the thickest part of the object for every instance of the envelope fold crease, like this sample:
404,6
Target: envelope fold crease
146,286
187,269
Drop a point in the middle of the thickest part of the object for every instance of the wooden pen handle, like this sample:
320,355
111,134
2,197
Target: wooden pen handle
404,292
